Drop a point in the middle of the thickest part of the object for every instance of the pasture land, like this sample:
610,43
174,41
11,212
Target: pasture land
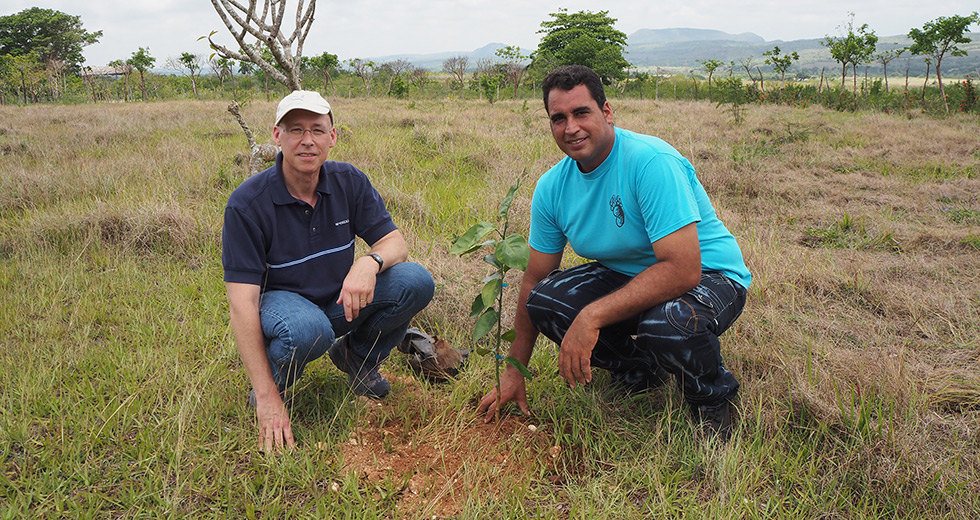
122,394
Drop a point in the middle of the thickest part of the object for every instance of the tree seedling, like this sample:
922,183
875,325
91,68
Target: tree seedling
508,252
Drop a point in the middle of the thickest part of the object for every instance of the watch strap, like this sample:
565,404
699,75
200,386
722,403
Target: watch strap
377,258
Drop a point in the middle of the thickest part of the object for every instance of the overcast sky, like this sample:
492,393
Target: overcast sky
372,28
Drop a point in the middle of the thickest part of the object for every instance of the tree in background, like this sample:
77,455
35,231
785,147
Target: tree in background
514,65
851,48
221,67
126,70
488,77
748,63
364,70
263,21
886,57
456,67
54,36
190,62
391,73
25,72
324,64
418,77
583,38
710,66
939,37
48,39
5,78
779,63
142,61
247,68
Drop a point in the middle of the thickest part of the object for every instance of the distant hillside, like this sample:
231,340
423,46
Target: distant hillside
434,61
684,55
677,35
680,49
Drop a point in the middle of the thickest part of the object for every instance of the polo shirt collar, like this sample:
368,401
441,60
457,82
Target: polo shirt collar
280,195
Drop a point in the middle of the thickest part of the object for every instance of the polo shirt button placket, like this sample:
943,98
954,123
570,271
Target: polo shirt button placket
313,228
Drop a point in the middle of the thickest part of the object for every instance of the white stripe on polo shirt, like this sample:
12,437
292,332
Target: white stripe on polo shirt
314,255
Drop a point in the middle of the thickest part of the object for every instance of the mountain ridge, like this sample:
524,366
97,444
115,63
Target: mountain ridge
682,50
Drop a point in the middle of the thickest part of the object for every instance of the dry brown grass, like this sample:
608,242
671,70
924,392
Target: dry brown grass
860,338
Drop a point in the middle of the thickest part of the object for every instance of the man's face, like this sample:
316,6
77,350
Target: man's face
582,129
306,139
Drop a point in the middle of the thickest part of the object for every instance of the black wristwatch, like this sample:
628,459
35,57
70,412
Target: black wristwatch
377,258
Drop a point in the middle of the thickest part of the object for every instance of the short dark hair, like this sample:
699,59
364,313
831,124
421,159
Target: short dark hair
570,76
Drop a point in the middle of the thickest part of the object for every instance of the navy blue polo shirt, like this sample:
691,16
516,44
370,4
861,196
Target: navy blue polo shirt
278,242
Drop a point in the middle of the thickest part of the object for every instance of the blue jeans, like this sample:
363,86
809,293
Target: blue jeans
680,335
298,331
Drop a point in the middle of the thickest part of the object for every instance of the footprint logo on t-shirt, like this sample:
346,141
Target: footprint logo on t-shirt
616,205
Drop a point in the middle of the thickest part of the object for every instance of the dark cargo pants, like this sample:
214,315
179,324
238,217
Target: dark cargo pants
680,335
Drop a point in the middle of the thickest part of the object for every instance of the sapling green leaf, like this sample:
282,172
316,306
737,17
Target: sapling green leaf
509,336
504,208
494,276
490,292
492,260
513,252
514,362
478,306
485,323
470,241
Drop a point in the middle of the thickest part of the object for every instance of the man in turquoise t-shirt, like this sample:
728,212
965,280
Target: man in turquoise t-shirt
667,278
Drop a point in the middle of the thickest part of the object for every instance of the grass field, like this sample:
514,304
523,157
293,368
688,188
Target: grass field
122,394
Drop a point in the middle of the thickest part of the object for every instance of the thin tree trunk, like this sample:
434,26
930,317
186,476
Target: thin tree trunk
942,91
866,89
924,83
855,71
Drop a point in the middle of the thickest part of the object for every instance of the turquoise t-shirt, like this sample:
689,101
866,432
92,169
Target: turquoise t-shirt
643,191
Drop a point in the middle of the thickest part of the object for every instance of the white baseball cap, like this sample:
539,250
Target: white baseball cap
302,100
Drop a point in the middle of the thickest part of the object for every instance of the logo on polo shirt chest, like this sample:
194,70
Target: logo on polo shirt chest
342,222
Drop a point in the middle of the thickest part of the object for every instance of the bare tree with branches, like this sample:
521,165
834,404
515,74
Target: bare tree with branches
364,70
264,23
393,70
418,77
456,66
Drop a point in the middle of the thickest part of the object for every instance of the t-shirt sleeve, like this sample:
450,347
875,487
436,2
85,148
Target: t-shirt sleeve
545,234
242,248
665,196
370,217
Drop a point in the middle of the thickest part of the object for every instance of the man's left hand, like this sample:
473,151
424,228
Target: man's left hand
574,357
358,289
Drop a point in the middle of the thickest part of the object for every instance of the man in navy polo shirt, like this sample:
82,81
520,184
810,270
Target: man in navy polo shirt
294,285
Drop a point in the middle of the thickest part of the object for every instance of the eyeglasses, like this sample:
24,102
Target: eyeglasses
297,132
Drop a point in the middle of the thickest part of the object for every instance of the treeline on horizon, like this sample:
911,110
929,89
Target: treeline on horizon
883,76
